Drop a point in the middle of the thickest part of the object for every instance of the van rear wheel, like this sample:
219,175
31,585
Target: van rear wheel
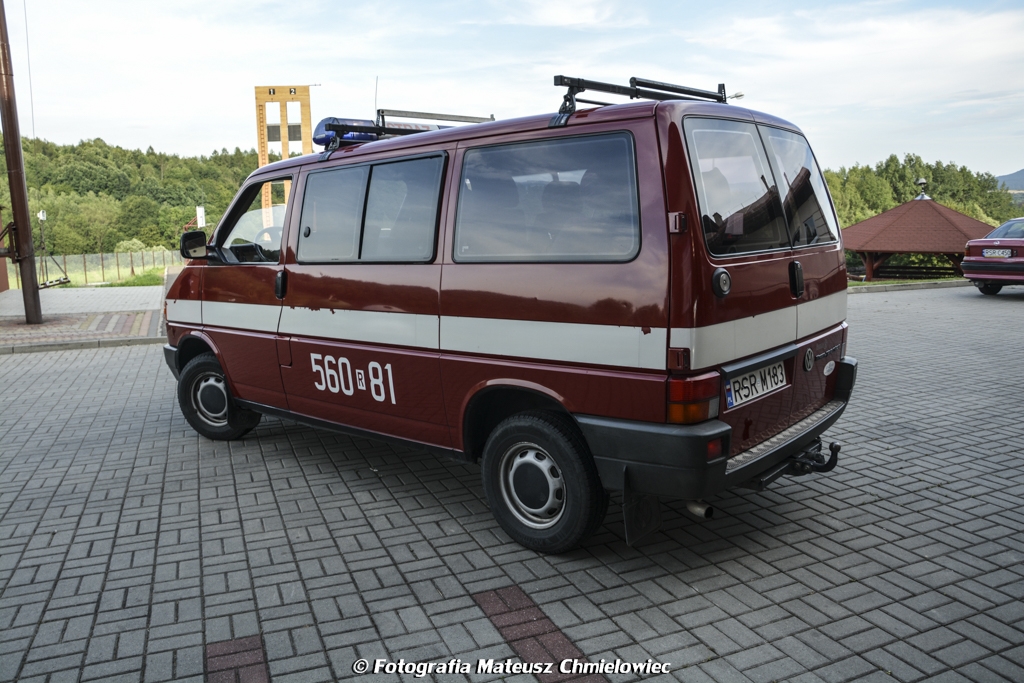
207,404
541,483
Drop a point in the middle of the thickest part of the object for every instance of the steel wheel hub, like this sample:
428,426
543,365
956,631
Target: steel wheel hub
532,486
210,399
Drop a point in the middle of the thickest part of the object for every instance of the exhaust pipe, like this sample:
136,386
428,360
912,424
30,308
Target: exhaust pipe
698,508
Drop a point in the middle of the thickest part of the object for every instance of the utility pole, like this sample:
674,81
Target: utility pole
24,252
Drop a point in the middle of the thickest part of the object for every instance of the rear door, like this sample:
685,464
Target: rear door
742,233
765,220
813,228
818,253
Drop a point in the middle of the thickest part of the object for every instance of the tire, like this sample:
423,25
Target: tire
541,483
207,404
989,289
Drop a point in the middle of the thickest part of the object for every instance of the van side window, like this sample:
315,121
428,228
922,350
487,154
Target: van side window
399,223
256,235
332,210
738,197
562,200
401,210
804,196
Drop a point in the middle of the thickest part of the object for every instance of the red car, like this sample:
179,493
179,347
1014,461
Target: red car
647,297
997,259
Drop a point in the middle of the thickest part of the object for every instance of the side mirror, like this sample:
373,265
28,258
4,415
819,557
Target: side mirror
193,245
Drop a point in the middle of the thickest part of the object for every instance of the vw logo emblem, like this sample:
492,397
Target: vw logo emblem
808,360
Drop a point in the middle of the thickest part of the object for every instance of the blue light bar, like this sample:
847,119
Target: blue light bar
323,137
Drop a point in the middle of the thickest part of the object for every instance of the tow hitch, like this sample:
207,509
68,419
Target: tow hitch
814,461
811,459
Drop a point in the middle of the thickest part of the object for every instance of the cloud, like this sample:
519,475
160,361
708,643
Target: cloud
863,79
597,14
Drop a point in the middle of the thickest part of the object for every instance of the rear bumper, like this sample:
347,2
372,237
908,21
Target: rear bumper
994,270
671,461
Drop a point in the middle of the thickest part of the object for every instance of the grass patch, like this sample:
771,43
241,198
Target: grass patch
154,276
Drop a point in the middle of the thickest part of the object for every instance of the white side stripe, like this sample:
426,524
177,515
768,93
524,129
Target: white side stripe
258,317
820,313
571,342
185,311
611,345
729,341
380,327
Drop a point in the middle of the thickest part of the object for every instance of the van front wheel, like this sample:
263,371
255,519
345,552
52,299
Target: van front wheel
206,401
541,483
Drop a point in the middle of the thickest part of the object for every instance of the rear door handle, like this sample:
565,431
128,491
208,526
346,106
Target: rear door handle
796,279
280,284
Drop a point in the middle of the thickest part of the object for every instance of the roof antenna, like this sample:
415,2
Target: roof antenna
376,79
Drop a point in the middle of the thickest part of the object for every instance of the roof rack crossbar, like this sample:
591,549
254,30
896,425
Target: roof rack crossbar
637,89
433,117
718,96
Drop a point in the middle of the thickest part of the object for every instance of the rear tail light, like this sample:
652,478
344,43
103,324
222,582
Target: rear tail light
967,250
693,399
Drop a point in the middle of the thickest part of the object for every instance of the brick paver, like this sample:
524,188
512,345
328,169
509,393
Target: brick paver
133,549
72,300
79,317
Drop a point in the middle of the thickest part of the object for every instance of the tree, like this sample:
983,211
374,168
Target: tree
139,216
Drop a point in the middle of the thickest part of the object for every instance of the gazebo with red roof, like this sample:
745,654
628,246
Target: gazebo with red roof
920,226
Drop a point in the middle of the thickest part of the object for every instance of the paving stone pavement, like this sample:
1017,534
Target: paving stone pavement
73,300
132,549
82,317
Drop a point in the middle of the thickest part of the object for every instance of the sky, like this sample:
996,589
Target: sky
864,80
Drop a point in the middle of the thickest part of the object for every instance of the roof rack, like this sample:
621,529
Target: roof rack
381,113
333,133
638,88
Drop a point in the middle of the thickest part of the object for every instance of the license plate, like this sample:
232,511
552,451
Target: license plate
756,383
995,253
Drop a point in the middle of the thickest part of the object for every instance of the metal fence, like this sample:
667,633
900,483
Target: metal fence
95,269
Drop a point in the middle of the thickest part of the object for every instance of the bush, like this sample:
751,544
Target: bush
153,276
133,244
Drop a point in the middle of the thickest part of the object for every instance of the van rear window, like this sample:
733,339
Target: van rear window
738,198
563,200
804,196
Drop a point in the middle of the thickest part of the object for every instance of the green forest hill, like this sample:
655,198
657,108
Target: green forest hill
96,195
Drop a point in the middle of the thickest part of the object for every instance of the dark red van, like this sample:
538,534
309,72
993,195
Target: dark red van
647,297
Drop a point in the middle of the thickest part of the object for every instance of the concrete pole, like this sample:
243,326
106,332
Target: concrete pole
16,178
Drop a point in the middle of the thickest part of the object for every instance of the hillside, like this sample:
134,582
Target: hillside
96,195
1013,181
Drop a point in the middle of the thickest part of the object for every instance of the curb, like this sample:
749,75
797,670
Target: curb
867,289
41,347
